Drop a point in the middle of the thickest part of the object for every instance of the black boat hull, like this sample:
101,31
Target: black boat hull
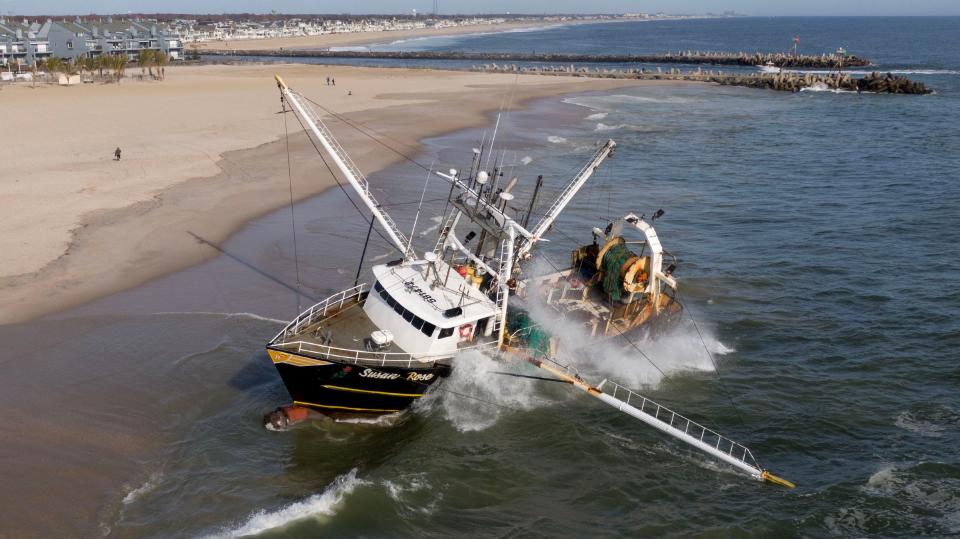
343,388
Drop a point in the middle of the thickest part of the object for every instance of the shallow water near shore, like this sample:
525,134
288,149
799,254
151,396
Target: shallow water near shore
816,241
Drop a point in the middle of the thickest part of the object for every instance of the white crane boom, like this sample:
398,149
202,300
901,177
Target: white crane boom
565,197
347,167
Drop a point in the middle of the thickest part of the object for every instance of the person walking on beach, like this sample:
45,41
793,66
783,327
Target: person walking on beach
328,81
116,154
333,81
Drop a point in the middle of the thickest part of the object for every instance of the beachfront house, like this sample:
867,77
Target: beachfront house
25,43
22,43
70,39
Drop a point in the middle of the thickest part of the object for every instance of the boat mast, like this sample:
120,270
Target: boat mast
347,167
565,197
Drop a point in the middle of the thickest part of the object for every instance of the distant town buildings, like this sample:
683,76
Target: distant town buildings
23,43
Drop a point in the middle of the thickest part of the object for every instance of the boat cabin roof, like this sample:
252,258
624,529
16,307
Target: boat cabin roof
423,297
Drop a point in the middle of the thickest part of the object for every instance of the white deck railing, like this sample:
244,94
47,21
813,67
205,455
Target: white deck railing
372,358
320,310
692,432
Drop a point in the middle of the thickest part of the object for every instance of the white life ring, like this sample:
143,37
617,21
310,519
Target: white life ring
466,330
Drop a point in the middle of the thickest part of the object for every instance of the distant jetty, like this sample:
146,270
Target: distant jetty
822,61
786,82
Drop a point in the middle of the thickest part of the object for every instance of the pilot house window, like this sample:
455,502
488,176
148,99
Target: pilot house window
417,322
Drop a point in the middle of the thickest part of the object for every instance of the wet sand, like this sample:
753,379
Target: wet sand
203,153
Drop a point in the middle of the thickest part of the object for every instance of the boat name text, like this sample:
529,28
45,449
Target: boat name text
411,376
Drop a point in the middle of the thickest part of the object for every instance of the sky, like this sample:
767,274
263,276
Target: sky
751,7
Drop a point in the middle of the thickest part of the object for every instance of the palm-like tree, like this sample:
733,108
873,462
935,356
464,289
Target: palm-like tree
144,60
119,65
160,58
53,65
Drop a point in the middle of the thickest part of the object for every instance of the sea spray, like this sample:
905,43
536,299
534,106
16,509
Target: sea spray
317,506
474,396
628,360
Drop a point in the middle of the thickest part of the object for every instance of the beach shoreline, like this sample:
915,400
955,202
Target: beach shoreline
90,234
358,39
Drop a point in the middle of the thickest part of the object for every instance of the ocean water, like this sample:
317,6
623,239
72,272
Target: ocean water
816,236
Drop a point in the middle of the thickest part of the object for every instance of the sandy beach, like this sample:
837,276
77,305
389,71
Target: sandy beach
200,154
366,38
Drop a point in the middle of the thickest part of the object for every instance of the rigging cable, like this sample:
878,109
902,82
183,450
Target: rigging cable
361,130
340,184
716,366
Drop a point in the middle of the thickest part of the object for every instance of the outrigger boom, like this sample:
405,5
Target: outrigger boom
677,426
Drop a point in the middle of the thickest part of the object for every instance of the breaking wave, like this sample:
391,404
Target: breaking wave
317,507
148,485
597,116
556,140
821,87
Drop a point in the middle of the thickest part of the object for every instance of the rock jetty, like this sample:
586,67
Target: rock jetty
786,82
823,61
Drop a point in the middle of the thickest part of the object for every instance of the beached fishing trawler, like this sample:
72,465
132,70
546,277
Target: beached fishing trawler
375,349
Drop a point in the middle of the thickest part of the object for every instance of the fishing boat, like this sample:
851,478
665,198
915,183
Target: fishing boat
378,347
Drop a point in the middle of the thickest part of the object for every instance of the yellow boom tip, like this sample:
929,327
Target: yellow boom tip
280,81
770,478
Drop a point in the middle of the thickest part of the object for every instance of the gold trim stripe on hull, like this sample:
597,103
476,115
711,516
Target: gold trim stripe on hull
341,388
302,403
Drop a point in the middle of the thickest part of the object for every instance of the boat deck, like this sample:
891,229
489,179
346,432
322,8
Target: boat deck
347,328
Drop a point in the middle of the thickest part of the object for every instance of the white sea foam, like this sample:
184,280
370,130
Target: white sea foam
635,363
915,486
386,420
610,103
474,397
252,316
381,257
148,485
822,87
526,160
318,506
910,422
414,493
597,116
601,127
557,140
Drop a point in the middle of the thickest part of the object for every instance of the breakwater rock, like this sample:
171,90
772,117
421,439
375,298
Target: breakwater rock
787,82
823,61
